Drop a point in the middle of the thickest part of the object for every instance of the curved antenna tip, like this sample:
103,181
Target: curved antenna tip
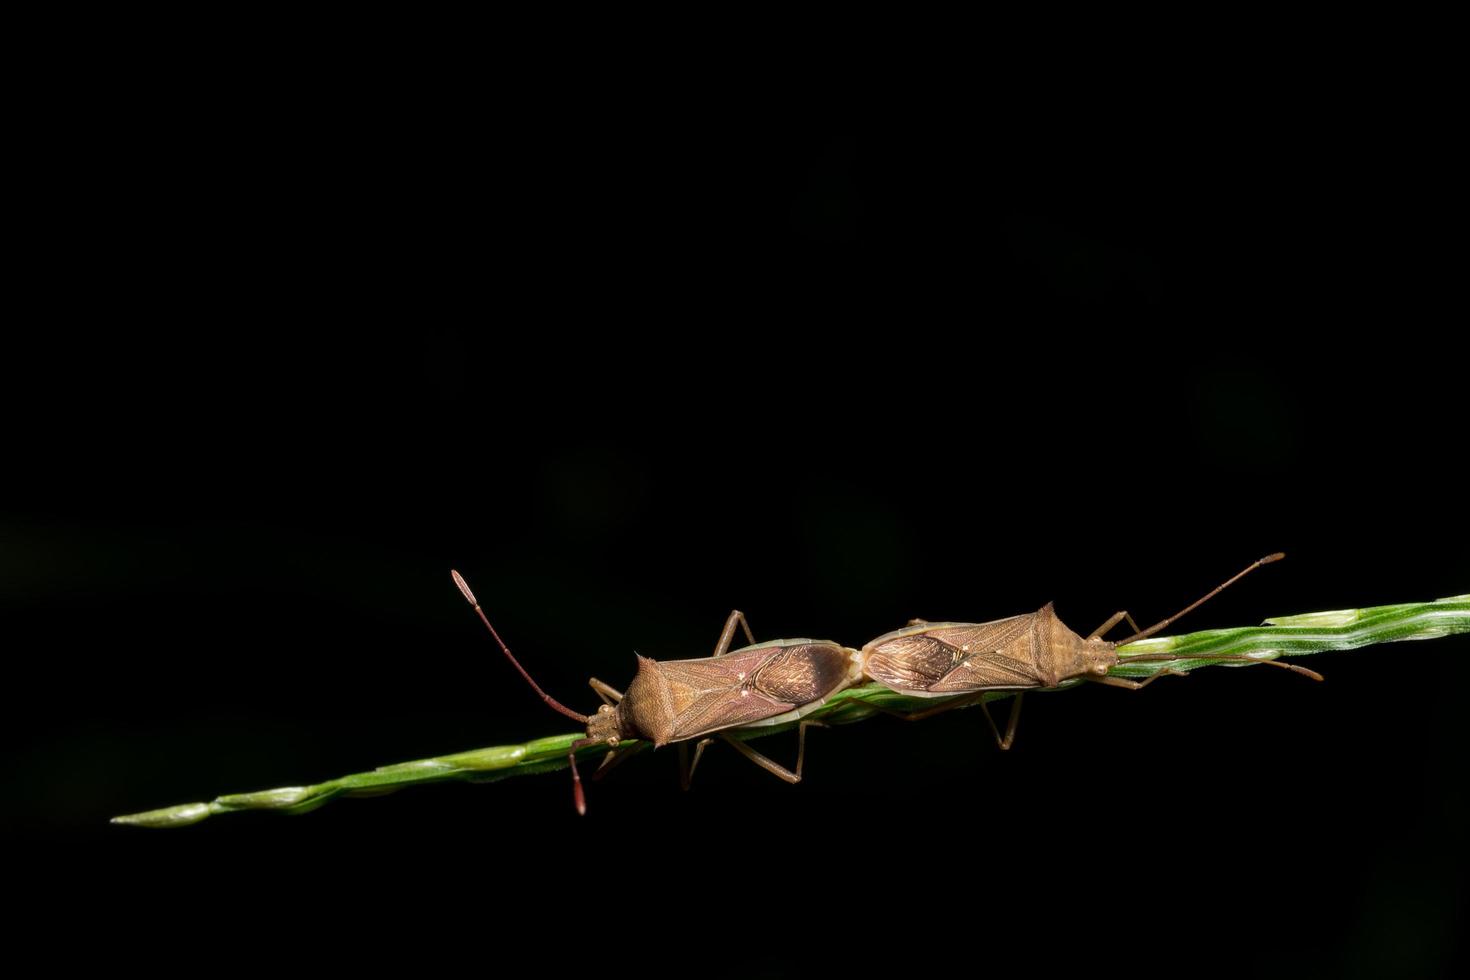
1270,558
464,587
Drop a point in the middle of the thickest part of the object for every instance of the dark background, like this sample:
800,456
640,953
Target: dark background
628,363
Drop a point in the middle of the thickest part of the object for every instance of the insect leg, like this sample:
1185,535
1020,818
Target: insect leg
1010,736
736,616
923,713
1131,685
774,768
616,758
1113,620
1004,741
977,698
686,768
608,693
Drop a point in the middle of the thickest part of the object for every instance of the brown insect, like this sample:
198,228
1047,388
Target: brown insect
964,660
670,701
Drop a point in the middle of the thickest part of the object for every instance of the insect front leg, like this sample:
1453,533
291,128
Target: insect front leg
686,767
1113,620
608,693
1132,685
617,757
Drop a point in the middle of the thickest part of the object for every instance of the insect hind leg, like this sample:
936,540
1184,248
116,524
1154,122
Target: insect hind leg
772,767
966,701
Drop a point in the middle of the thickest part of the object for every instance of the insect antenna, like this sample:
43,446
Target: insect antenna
1141,634
553,702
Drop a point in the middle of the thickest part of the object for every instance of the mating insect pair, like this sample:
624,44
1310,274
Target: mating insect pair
781,681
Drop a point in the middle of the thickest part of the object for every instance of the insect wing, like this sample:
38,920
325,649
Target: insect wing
719,692
803,673
955,658
992,655
911,663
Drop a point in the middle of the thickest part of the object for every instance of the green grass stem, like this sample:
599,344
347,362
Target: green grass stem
1284,636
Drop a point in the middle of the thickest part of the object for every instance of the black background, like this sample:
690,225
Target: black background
628,362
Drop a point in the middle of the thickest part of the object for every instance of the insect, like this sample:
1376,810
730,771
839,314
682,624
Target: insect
670,701
962,661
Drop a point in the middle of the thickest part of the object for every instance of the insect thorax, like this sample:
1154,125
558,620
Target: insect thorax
647,710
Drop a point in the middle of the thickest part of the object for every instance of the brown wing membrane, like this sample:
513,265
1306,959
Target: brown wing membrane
803,674
911,663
